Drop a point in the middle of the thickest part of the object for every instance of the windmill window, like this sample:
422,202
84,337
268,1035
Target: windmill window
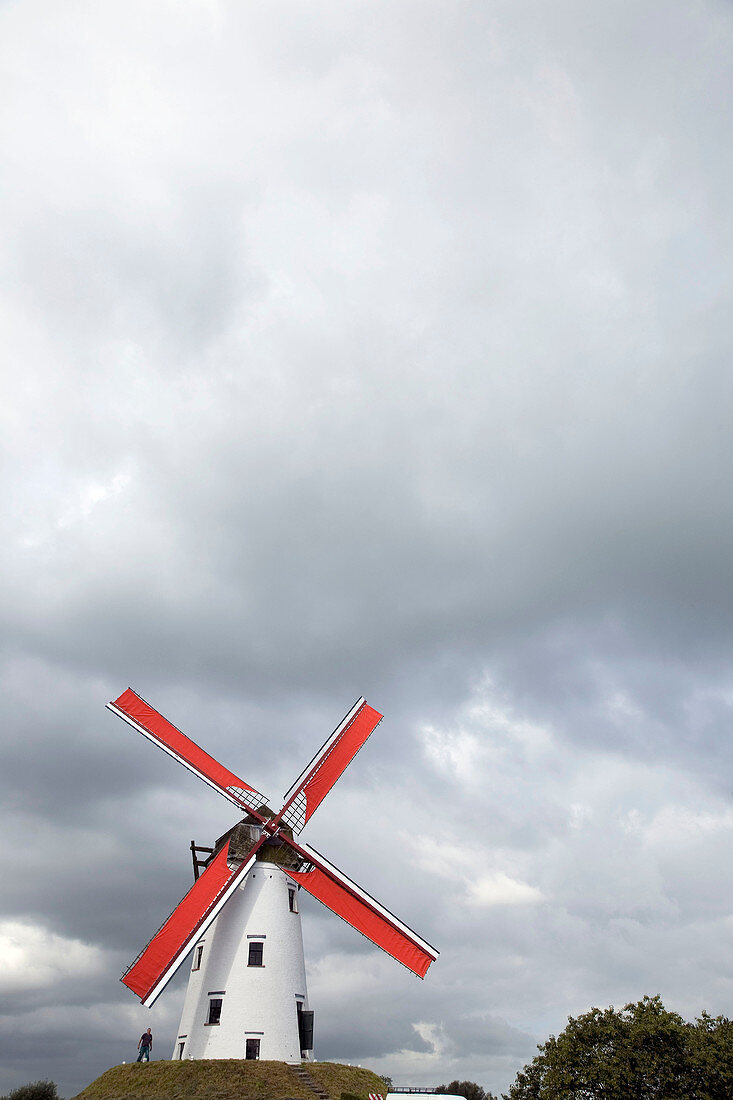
252,1048
214,1010
255,954
292,899
180,1051
197,957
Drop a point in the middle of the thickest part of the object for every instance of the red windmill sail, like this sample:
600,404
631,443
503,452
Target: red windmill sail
329,763
362,912
158,962
142,717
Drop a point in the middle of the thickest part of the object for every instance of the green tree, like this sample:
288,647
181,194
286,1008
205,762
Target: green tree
469,1089
35,1090
640,1052
711,1058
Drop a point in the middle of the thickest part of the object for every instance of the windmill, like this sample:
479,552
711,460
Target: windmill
247,994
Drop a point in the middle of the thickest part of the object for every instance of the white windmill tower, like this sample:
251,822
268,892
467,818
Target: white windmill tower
247,995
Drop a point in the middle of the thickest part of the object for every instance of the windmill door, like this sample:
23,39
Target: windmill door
305,1028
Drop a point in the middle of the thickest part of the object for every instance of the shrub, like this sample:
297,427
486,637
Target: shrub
35,1090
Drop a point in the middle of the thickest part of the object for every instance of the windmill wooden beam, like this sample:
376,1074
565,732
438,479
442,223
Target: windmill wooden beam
199,863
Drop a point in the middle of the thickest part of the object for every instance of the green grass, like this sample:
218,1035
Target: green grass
336,1078
227,1079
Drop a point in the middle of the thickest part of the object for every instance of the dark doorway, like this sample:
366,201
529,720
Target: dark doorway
305,1028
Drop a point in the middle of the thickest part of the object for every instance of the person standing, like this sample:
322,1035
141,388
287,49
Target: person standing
145,1046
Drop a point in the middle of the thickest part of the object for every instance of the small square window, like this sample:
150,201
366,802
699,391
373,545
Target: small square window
252,1048
214,1010
255,953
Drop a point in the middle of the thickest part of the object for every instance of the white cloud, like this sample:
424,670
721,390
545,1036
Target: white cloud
464,865
499,889
33,958
89,496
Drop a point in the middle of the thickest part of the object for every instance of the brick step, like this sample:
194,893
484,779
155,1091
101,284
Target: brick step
305,1077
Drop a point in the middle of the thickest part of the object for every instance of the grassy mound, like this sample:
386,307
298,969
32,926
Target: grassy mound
228,1079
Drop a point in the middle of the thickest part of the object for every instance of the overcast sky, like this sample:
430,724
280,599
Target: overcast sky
370,348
